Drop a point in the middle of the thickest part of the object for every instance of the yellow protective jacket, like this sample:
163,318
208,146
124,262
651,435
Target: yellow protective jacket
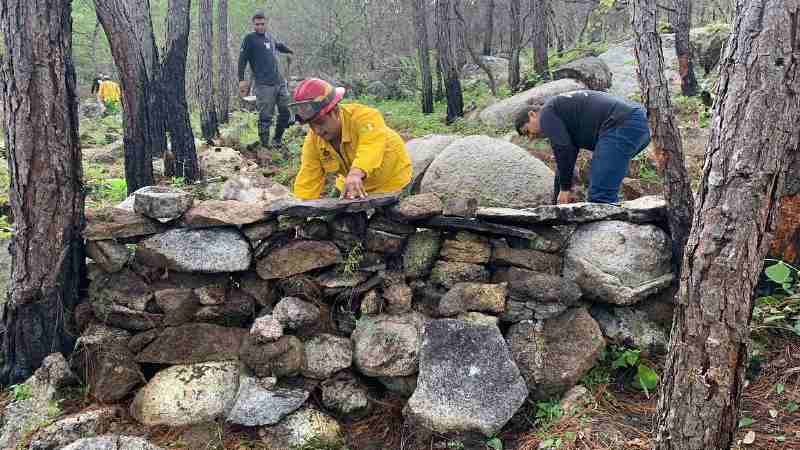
367,143
108,91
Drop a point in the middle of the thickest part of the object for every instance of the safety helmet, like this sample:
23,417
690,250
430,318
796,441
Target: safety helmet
314,97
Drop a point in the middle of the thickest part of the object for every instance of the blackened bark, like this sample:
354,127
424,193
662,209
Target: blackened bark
743,178
540,38
423,54
181,161
205,72
667,142
129,30
488,31
476,58
682,24
225,68
448,34
41,126
439,94
515,37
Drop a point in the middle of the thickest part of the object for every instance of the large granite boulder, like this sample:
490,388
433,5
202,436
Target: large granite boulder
495,172
707,44
501,114
467,382
618,262
207,250
591,71
422,152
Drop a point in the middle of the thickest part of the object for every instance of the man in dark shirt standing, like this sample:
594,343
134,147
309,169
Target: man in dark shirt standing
613,129
260,50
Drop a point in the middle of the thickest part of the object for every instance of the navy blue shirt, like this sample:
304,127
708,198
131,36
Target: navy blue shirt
261,51
574,120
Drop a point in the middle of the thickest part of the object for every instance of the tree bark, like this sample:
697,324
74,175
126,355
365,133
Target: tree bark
448,59
209,123
41,126
488,32
682,24
93,51
515,37
667,143
181,160
423,54
129,30
476,58
743,179
439,94
540,38
225,68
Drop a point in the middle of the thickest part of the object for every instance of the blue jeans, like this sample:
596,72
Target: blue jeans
612,155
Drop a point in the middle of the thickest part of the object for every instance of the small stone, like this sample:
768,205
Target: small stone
465,297
193,343
263,291
179,305
528,259
479,319
467,248
447,274
302,427
315,230
344,395
461,207
115,223
325,355
111,442
382,242
110,255
372,303
259,231
162,202
104,362
282,358
124,288
266,329
126,318
355,224
297,257
403,386
215,213
417,208
388,345
256,405
295,314
210,295
421,253
575,399
379,221
397,295
73,427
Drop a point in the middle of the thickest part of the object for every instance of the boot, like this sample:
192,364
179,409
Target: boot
280,127
263,136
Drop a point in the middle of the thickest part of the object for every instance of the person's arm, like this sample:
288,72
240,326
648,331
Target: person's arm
281,47
310,179
564,150
244,57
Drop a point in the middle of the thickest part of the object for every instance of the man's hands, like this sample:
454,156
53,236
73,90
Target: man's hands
565,197
354,184
244,88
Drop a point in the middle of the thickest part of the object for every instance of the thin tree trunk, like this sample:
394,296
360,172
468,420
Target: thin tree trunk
129,30
41,126
476,58
682,25
515,44
93,51
448,59
664,128
205,72
488,32
225,69
439,95
423,53
181,161
743,179
540,38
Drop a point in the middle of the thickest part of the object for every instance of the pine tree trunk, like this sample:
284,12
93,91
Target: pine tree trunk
182,160
129,30
205,72
743,179
540,38
515,36
439,94
664,128
41,126
423,54
225,68
682,24
488,32
448,59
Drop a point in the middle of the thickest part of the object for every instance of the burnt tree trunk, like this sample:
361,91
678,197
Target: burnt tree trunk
515,44
46,196
225,69
181,160
540,38
439,94
448,34
682,22
93,49
129,30
667,143
209,123
476,58
488,31
737,205
423,53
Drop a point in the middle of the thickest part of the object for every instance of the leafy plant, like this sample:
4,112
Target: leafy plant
495,443
20,391
781,309
548,412
645,378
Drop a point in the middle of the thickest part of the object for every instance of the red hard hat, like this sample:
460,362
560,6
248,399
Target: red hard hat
314,97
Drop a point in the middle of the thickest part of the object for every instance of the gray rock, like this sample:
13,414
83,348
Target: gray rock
417,207
301,428
260,289
297,257
629,326
467,380
282,358
206,251
397,295
707,43
325,355
620,58
72,428
461,207
646,209
325,207
479,319
472,164
422,152
257,405
379,221
619,262
516,312
116,223
345,396
447,274
575,399
104,362
193,343
124,288
162,203
467,247
421,251
554,354
480,226
570,213
403,386
110,255
387,346
336,278
179,305
591,71
295,314
125,318
383,242
187,394
220,161
259,231
266,329
527,259
465,297
111,442
217,213
546,295
501,114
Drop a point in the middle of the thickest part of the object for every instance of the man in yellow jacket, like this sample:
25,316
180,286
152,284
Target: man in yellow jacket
108,91
350,140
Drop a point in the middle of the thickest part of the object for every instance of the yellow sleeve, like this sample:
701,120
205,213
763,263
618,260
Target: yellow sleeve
310,179
371,142
102,92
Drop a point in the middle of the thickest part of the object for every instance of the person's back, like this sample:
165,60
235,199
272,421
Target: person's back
585,114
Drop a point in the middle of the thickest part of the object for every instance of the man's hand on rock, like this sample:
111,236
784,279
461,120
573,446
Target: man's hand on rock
354,185
565,197
244,88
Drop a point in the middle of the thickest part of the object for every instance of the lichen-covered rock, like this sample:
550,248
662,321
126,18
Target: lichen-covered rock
104,362
215,213
325,355
112,442
624,325
417,208
116,223
282,358
545,295
257,404
422,152
72,428
206,251
397,294
266,329
344,395
297,257
388,345
527,259
421,252
110,255
465,297
447,273
193,343
162,203
467,247
300,428
295,314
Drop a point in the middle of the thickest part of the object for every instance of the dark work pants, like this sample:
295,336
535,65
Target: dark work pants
267,98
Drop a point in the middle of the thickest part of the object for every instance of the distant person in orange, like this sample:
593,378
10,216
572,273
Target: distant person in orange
108,92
